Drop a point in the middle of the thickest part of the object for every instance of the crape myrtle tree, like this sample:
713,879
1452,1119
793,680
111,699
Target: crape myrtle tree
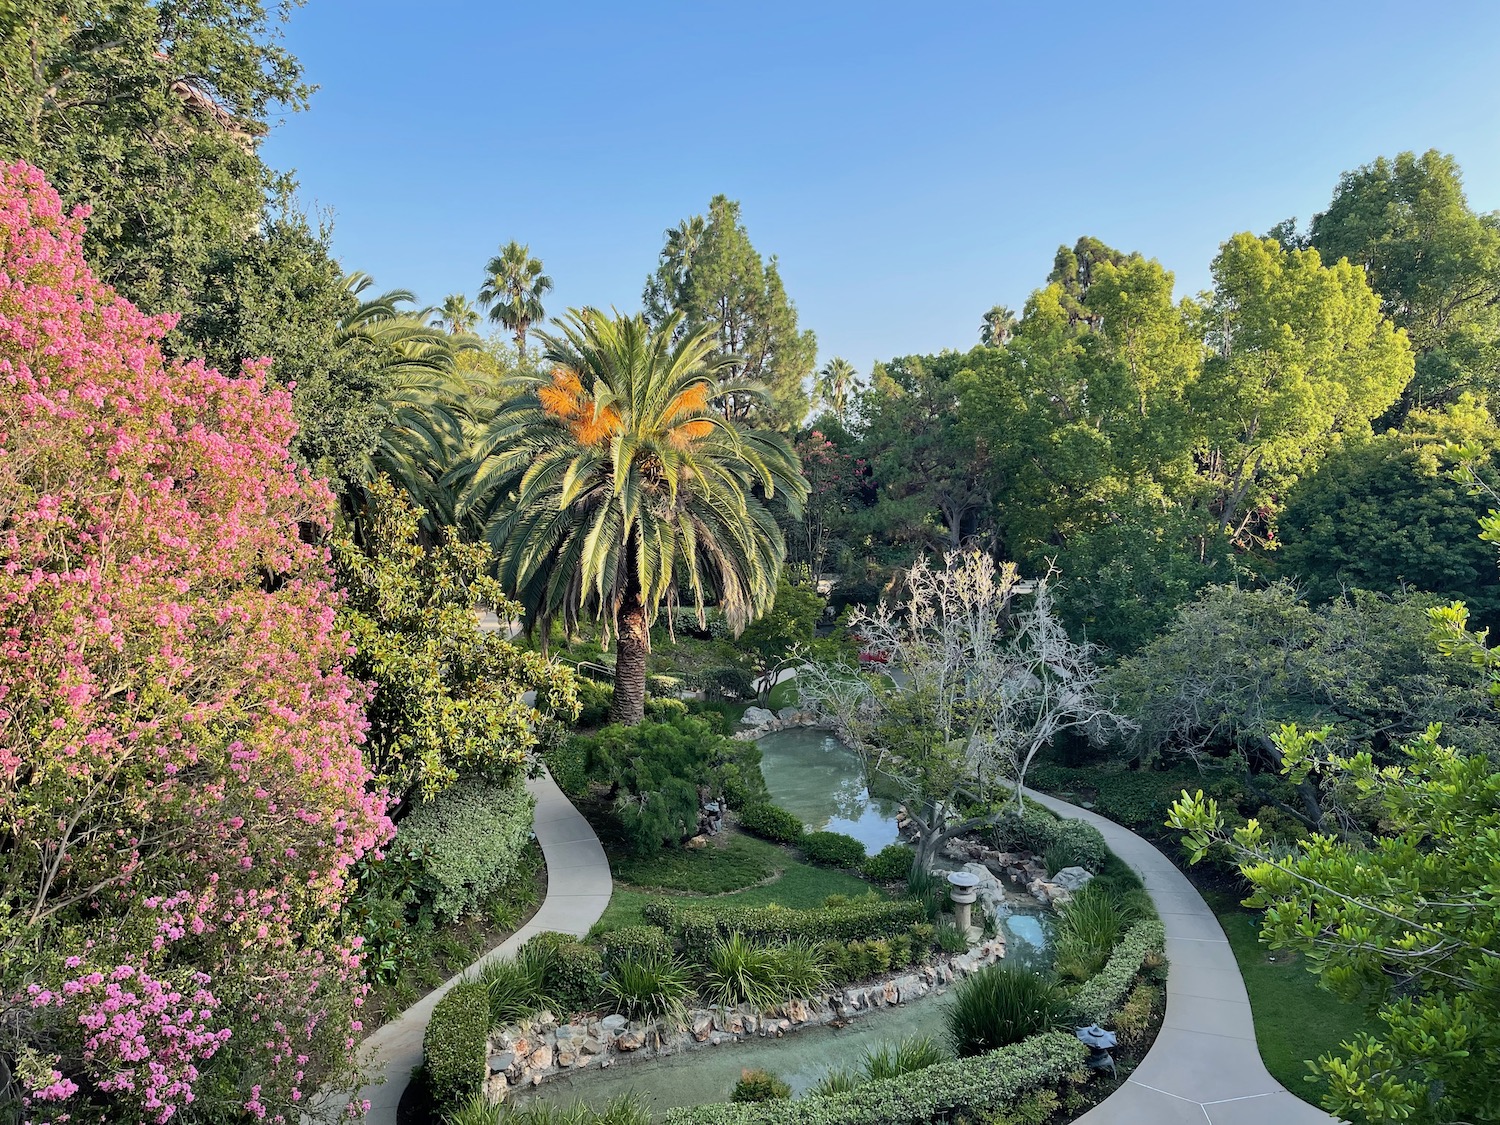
616,481
957,690
182,791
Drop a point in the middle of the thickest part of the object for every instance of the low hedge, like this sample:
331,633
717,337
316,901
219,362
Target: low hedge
1099,997
977,1087
635,943
860,920
833,849
765,820
574,970
455,1046
891,864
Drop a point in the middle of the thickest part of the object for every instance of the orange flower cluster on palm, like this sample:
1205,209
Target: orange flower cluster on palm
566,398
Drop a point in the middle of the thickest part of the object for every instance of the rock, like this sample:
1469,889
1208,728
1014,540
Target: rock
701,1026
913,989
796,1011
730,1021
758,717
1072,878
540,1059
591,1046
496,1087
751,1023
697,843
502,1061
613,1025
571,1031
782,1027
631,1039
567,1056
891,995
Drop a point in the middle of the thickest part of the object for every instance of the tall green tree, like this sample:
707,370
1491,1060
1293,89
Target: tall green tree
1432,259
996,328
836,385
456,316
617,482
711,274
513,287
151,112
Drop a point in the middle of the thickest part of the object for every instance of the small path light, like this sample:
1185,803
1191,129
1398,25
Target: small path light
963,896
1098,1041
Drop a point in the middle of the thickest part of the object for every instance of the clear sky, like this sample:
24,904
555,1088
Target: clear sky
911,165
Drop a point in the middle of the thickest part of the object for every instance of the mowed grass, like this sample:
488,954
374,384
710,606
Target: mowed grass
1295,1020
759,873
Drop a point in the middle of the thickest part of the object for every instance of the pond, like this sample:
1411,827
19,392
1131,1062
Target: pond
818,779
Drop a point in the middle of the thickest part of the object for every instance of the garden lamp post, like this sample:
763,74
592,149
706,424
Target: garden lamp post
963,896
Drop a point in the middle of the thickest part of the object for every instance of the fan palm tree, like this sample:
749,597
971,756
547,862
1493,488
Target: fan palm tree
614,483
456,316
835,384
999,323
512,291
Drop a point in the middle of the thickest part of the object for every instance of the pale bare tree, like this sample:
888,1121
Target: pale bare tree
959,686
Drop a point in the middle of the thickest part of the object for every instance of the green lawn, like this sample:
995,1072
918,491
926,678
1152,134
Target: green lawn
766,873
1295,1020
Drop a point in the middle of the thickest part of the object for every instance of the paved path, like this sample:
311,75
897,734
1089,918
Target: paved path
1204,1068
578,890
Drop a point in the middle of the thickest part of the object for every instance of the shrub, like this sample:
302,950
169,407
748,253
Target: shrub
765,820
567,761
663,710
1090,926
575,976
950,939
467,841
517,986
928,888
727,683
891,864
1081,844
625,1110
974,1088
833,849
740,971
1097,999
636,942
915,1052
697,930
456,1043
478,1110
835,1082
594,699
649,988
1133,1021
1033,829
759,1086
1000,1005
803,969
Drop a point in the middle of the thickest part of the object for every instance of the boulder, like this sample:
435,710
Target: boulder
566,1055
702,1025
758,717
502,1061
697,843
631,1039
751,1023
796,1011
1072,879
613,1025
539,1059
591,1046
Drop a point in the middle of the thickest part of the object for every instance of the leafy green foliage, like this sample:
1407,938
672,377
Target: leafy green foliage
640,943
455,1044
517,986
891,864
625,1110
1000,1005
889,1060
697,930
759,1086
649,987
1091,925
737,970
1097,999
465,842
770,640
765,820
572,970
1412,904
833,848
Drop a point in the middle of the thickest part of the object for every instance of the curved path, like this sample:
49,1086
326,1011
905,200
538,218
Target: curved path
578,890
1204,1068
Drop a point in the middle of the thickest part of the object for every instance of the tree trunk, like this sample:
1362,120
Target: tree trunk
632,642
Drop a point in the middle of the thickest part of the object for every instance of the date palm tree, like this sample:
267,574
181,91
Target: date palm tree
512,291
613,485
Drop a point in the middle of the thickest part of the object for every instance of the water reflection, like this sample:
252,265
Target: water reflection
818,779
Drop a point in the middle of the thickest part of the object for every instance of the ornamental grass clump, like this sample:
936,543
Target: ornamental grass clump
517,987
1000,1005
1091,925
650,987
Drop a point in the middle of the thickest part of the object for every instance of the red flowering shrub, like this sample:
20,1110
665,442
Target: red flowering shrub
182,790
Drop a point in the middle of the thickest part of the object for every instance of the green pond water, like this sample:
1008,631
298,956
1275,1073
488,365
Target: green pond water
817,778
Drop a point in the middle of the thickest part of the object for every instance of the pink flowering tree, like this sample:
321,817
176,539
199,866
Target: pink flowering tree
182,790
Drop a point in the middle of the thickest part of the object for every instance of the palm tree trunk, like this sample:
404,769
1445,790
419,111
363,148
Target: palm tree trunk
632,642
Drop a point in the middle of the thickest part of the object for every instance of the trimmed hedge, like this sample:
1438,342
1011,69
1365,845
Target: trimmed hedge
635,943
976,1087
466,841
860,920
1099,997
574,972
455,1046
891,864
765,820
833,849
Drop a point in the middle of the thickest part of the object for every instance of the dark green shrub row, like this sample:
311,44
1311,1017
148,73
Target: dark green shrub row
765,820
890,864
859,960
456,1043
697,930
637,943
1097,998
974,1087
466,842
833,849
1068,843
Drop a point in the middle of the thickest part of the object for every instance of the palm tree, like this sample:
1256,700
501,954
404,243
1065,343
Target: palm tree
999,324
835,384
614,483
457,317
512,290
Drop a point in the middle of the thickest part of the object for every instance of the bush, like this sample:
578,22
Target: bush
1099,997
594,699
466,842
663,710
567,760
625,1110
973,1088
950,939
728,683
517,986
1090,926
1081,844
455,1046
1000,1005
915,1052
698,930
803,969
636,942
739,971
1030,830
891,864
649,988
833,849
765,820
759,1086
576,976
930,889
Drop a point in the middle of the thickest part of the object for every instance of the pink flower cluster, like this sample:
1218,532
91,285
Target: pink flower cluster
181,778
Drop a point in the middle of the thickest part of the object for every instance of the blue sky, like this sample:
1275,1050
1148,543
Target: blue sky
911,165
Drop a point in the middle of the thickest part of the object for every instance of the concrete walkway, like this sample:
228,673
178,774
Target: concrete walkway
1204,1068
578,890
